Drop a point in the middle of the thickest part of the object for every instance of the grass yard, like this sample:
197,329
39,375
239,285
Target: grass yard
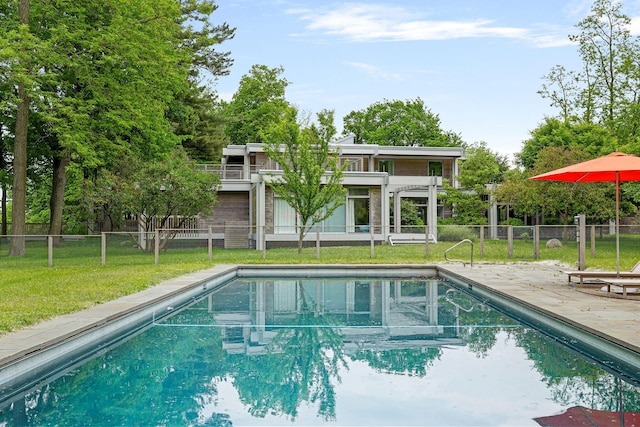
33,292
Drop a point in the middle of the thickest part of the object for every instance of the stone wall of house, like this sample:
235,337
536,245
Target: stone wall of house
268,210
375,210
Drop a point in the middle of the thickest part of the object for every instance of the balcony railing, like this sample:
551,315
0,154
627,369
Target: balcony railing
229,171
355,164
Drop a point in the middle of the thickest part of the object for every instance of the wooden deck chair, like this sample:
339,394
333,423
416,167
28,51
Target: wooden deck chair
594,275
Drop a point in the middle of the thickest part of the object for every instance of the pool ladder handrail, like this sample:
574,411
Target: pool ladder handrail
464,263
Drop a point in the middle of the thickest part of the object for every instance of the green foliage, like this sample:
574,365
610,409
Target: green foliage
311,178
591,138
156,191
454,233
468,207
481,166
258,104
604,90
101,77
398,123
516,222
199,120
409,213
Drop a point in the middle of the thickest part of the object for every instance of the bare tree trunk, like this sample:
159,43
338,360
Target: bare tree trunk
56,201
19,189
3,232
300,238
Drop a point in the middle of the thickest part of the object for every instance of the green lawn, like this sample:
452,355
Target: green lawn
32,292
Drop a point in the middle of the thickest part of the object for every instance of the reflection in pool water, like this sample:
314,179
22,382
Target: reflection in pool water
355,352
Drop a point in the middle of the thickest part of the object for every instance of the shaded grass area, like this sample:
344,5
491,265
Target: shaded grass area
33,292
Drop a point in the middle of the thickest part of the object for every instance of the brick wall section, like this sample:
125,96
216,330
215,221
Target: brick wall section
230,207
410,167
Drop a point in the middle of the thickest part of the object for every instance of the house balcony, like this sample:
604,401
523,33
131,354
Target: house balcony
244,172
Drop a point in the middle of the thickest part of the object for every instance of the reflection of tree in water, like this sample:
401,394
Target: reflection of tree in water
300,364
570,379
407,361
573,380
163,379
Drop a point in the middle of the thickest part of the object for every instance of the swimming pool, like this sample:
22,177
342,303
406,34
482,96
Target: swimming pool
383,348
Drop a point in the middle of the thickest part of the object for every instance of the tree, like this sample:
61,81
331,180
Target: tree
311,178
559,201
605,90
592,138
199,120
481,166
258,104
470,202
603,43
398,123
24,69
157,191
100,76
561,87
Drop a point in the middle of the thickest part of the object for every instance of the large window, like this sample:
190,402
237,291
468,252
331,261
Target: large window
358,210
284,217
337,222
350,217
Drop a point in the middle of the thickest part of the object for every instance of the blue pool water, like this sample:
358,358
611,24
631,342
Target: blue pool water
329,352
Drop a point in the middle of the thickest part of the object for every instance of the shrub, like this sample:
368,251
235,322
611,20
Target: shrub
455,233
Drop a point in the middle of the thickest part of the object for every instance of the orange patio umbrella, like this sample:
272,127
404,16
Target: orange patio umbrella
616,167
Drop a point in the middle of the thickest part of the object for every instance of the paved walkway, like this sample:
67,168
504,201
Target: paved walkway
539,284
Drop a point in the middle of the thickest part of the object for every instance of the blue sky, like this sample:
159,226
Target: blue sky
477,64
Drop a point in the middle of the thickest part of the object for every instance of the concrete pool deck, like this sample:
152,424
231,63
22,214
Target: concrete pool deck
541,285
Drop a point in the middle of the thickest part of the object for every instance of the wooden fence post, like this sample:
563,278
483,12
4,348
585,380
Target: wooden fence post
372,242
103,247
50,250
210,244
156,248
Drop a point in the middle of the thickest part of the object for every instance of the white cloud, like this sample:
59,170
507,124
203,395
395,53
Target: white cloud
635,25
359,22
374,71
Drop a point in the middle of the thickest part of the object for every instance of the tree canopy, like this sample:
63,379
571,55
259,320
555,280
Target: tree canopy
258,103
604,91
398,123
95,81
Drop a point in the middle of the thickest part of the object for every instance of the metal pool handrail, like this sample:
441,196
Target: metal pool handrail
459,260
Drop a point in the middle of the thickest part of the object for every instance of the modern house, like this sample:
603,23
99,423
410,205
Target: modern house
377,178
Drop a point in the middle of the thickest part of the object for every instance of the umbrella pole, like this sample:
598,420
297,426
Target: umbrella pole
618,224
